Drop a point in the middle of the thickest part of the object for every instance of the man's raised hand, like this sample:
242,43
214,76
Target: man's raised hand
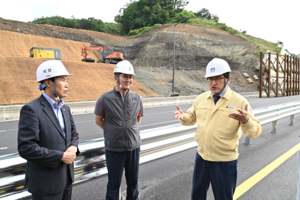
242,116
178,113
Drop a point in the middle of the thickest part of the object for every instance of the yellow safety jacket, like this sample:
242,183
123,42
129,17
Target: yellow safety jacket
217,134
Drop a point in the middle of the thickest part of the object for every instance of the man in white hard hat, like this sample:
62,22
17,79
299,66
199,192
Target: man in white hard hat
47,136
222,115
118,112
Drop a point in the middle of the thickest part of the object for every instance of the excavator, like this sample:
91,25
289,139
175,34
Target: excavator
108,55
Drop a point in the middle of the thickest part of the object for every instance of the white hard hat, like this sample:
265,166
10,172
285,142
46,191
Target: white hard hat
50,69
217,67
124,67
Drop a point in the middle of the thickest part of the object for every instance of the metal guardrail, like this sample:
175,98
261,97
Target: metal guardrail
273,113
157,143
91,161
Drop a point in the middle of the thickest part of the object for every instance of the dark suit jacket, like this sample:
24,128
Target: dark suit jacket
42,143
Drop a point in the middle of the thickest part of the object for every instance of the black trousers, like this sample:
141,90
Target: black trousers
221,175
66,194
116,162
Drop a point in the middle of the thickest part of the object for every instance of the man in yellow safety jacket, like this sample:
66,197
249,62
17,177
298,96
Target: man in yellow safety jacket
222,115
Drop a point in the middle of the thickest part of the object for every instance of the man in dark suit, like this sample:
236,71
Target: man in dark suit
47,136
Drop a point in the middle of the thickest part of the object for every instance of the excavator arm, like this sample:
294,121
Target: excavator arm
89,48
108,56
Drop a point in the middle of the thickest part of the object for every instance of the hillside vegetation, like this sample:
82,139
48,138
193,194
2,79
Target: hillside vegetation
87,24
140,16
262,45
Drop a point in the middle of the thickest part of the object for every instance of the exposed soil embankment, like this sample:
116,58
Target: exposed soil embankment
195,47
19,45
18,80
58,32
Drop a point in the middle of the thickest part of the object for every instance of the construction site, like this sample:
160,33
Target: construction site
150,53
265,140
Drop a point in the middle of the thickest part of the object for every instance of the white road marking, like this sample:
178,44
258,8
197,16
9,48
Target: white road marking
3,148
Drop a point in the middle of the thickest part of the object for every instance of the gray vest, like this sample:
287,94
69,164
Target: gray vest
121,131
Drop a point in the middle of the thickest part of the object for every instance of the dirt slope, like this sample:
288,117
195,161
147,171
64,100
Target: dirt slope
60,32
195,47
19,45
17,77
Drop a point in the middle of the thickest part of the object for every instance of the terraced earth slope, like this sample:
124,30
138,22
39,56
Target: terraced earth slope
17,78
150,53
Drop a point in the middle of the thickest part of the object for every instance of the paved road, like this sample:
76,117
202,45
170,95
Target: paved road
85,123
86,127
170,177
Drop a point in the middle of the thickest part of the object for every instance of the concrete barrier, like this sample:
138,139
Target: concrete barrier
12,112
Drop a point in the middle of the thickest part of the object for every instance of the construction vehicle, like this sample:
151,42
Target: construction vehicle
42,52
108,55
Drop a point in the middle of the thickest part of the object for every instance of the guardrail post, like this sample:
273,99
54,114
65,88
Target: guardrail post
247,141
274,126
291,120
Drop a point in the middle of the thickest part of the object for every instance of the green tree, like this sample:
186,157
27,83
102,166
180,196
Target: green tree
179,5
90,24
180,16
159,15
215,18
205,14
146,13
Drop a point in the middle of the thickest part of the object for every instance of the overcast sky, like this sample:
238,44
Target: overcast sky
271,20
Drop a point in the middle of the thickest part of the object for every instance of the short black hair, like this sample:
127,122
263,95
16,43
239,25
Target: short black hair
52,79
227,75
43,84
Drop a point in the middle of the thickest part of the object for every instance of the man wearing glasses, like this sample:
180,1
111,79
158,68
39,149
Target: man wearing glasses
118,112
222,115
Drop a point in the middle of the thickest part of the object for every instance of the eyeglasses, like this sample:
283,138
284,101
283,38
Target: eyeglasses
218,79
127,77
